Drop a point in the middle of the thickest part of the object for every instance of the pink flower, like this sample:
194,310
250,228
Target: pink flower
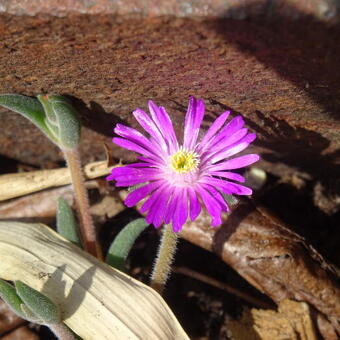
179,179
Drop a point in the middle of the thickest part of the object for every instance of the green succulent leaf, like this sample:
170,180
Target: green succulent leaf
123,243
230,199
66,222
52,114
29,108
30,316
61,119
40,305
11,298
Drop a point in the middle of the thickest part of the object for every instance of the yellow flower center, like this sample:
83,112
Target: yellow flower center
184,161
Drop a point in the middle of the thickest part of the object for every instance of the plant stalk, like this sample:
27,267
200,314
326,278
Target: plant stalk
61,331
166,253
87,230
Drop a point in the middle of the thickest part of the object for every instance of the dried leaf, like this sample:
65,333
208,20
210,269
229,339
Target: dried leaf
292,321
271,257
97,301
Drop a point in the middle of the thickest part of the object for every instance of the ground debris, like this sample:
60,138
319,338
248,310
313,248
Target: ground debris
292,321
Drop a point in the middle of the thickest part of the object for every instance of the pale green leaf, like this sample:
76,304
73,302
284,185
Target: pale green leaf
123,242
66,223
29,108
41,306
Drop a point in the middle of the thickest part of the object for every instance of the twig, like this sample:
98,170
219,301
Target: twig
215,283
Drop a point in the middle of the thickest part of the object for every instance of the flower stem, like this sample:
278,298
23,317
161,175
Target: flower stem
61,331
165,257
87,230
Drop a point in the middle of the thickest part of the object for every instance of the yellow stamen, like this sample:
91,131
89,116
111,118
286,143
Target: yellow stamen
184,161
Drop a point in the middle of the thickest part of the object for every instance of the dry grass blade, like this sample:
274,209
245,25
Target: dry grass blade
19,184
41,206
97,301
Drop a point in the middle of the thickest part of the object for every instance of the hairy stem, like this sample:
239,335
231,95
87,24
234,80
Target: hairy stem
87,230
165,257
61,331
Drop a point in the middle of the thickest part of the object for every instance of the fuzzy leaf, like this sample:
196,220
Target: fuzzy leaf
230,199
41,306
66,223
15,303
30,316
10,296
123,243
29,108
62,120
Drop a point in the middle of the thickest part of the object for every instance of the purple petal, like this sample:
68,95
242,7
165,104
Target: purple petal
149,126
230,175
220,150
167,124
131,175
133,169
148,203
142,165
118,171
234,125
192,122
124,143
195,206
163,121
159,209
171,206
181,213
238,147
136,137
212,206
239,189
235,163
152,162
216,194
134,197
136,181
216,125
228,140
109,178
226,186
151,200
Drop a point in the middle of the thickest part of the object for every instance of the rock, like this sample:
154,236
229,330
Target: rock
323,9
